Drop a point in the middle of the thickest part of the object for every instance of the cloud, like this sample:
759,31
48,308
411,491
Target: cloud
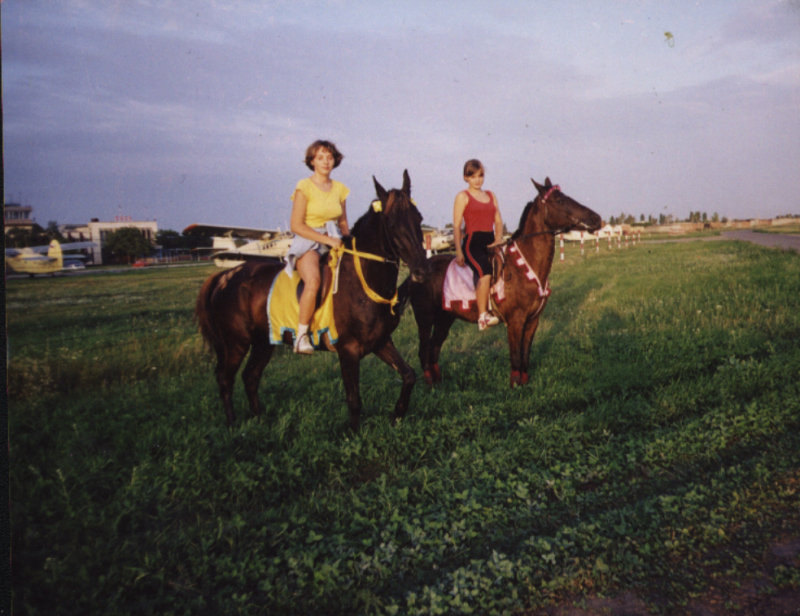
191,111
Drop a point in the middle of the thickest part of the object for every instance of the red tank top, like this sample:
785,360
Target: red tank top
479,216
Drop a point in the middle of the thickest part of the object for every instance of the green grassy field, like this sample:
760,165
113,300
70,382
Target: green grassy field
654,455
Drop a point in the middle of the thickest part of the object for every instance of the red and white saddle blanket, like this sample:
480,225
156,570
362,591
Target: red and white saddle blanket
459,287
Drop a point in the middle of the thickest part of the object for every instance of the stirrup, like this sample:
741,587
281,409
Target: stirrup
303,345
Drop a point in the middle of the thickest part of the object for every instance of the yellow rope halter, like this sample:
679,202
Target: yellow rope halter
357,256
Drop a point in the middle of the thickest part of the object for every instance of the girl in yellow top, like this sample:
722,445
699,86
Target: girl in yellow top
319,220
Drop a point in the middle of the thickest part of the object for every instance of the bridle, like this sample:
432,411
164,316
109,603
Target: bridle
386,241
386,238
543,202
553,232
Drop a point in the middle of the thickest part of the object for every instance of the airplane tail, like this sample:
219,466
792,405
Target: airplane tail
54,252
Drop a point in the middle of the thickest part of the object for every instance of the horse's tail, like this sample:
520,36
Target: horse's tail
204,312
402,297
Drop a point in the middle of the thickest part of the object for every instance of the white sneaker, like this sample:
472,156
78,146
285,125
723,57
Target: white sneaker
303,345
487,319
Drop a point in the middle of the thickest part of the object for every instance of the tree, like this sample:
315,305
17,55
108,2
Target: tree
52,231
127,243
169,239
18,237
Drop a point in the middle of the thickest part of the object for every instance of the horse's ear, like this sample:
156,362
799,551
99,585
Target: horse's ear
548,183
539,187
380,190
406,183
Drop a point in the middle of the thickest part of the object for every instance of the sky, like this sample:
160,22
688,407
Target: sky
186,111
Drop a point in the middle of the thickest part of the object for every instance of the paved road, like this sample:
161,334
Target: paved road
772,240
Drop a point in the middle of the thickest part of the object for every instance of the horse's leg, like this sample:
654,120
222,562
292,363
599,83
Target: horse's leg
444,321
514,329
228,361
260,354
349,363
528,332
389,354
424,328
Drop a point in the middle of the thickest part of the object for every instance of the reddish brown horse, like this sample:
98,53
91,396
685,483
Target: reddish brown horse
232,315
524,263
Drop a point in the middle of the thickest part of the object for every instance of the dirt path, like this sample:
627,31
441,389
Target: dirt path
772,240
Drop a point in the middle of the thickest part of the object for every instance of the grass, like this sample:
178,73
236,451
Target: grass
655,451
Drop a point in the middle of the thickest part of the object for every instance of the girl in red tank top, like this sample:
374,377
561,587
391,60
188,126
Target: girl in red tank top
479,212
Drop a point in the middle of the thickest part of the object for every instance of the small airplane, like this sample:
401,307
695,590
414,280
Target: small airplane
48,259
232,246
435,241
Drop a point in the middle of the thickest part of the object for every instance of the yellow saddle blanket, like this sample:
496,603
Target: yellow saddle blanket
283,312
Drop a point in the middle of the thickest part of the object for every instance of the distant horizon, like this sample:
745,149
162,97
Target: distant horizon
673,221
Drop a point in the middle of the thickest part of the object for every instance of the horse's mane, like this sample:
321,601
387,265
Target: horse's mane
363,223
524,217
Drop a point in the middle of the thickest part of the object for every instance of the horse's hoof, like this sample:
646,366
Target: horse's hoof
516,378
437,373
523,379
428,375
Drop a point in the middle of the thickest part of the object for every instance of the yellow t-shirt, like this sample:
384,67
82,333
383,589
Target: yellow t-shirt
322,206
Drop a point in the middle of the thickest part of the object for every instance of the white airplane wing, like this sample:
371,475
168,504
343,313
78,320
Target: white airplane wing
236,255
12,252
78,246
207,230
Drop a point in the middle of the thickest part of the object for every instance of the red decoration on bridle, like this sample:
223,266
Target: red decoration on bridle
550,192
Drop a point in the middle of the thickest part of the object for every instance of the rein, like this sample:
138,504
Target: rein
552,232
363,255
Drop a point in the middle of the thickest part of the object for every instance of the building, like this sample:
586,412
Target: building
97,232
16,216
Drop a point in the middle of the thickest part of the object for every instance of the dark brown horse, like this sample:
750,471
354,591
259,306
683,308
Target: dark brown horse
523,262
232,315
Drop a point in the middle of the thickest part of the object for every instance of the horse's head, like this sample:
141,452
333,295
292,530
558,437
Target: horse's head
403,224
560,213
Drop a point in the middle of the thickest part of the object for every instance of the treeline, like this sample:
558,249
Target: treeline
668,219
120,246
664,219
129,243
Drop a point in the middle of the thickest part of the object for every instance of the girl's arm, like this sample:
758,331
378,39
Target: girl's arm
498,223
343,226
298,225
458,217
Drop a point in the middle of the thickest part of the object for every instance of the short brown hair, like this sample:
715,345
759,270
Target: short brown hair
472,166
311,152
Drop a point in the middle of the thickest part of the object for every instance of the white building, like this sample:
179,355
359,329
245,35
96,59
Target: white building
97,232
